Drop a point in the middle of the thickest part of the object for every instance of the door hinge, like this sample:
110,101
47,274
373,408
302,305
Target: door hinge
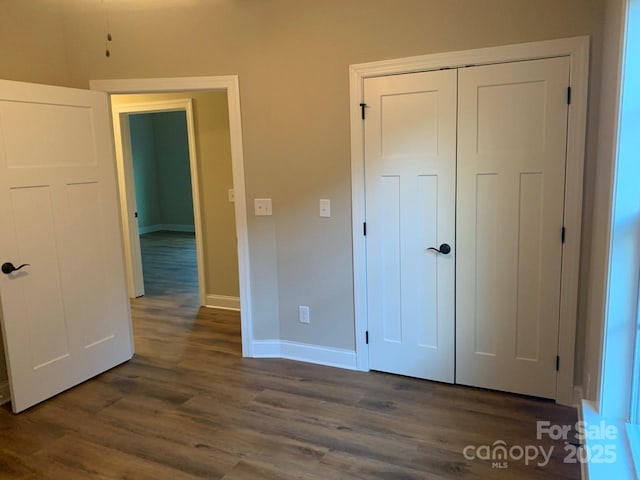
366,337
364,229
568,95
557,363
362,107
564,234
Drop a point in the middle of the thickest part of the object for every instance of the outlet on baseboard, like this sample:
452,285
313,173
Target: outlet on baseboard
303,314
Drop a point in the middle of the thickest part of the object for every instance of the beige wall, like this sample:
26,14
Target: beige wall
33,42
213,149
292,58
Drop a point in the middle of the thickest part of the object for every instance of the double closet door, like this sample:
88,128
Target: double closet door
465,179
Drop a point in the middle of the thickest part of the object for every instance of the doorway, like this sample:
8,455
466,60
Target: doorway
196,86
428,337
158,153
176,153
164,202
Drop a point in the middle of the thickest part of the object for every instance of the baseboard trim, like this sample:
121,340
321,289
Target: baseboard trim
166,227
5,394
266,349
303,352
223,301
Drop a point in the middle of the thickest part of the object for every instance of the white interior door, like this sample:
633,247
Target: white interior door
65,316
410,164
512,123
128,203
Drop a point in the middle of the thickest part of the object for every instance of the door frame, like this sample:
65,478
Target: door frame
126,182
230,85
577,49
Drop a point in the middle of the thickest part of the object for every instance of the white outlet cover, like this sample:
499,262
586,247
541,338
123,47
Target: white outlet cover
325,207
303,314
232,195
262,207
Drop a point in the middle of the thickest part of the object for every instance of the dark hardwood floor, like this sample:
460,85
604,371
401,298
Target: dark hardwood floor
169,266
189,406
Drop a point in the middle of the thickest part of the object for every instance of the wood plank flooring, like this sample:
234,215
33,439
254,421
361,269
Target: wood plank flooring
189,406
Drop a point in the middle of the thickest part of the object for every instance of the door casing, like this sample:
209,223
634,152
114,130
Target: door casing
229,84
127,188
577,49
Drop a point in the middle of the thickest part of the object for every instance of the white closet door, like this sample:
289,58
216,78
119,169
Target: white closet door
410,147
511,171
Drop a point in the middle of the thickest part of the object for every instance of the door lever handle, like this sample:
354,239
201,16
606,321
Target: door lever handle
444,249
8,267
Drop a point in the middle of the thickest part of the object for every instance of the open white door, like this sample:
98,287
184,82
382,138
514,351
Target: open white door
65,316
410,171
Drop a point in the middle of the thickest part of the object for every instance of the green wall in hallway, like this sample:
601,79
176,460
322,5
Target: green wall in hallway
162,177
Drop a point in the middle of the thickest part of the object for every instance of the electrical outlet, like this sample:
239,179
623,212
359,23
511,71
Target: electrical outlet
303,314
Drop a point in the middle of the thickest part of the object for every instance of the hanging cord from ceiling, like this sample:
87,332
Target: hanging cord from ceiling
107,36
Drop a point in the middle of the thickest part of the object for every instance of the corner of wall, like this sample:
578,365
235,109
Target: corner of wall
606,148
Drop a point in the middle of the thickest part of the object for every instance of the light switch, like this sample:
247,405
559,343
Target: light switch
262,206
325,207
232,195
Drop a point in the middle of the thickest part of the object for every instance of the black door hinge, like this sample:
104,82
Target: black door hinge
366,337
557,363
362,107
568,95
364,229
564,234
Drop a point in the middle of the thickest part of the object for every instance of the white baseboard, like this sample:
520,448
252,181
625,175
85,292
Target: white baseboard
266,349
166,227
302,352
5,394
223,301
578,396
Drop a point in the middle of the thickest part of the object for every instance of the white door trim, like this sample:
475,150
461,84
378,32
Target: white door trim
228,83
127,187
577,49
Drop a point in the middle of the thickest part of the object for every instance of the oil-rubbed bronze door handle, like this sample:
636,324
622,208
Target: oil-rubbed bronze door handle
8,267
444,249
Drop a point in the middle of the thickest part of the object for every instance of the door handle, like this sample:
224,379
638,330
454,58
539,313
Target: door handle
444,249
8,267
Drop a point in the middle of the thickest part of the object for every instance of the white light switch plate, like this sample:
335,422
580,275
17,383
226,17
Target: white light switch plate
325,207
232,195
262,207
